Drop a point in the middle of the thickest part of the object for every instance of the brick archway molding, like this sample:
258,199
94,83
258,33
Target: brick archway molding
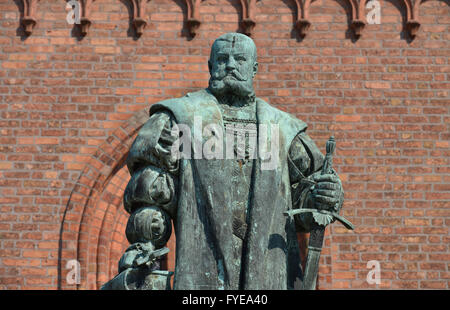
83,233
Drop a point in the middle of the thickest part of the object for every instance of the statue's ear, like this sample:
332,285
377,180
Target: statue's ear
255,68
209,66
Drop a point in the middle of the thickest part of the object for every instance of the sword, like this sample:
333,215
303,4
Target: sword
321,219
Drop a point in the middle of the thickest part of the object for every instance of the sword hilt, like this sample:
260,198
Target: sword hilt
326,169
149,257
336,216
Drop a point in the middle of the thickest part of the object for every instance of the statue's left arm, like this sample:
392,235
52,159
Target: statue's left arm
309,188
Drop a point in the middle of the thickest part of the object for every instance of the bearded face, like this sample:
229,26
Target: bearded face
232,66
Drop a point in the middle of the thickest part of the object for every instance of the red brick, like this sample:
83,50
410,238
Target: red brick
377,85
383,98
433,284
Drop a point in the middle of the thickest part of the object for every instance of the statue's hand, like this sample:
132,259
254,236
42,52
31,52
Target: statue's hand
149,223
327,193
136,255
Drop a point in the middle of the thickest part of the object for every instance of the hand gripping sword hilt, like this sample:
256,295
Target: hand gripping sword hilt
326,169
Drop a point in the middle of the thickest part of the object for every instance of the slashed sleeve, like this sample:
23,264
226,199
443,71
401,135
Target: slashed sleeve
151,194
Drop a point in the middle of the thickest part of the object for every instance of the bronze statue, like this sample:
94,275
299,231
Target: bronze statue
228,201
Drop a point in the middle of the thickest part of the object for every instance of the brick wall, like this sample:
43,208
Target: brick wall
70,108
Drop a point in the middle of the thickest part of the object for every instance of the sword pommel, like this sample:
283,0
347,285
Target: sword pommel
331,145
328,161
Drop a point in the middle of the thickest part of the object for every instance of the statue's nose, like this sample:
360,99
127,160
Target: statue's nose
231,63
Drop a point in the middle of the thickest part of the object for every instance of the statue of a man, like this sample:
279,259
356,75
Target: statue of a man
230,229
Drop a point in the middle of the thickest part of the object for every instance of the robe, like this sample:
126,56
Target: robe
195,194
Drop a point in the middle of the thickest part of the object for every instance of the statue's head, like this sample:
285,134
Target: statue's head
232,65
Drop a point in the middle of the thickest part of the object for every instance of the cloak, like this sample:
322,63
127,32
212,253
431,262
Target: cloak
203,218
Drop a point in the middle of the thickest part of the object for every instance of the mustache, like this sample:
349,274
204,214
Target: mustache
233,74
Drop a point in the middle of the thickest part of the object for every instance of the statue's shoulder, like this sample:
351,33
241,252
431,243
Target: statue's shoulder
284,119
183,105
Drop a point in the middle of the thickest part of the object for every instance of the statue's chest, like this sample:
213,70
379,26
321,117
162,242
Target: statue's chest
241,141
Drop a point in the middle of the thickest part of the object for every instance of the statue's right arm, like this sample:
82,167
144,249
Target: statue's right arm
150,196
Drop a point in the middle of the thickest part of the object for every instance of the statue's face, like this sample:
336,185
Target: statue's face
233,65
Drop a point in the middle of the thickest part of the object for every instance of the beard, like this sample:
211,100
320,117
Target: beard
232,88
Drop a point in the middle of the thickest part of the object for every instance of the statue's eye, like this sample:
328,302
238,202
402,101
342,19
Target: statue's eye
240,59
221,58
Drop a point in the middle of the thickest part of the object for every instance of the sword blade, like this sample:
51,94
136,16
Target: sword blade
312,261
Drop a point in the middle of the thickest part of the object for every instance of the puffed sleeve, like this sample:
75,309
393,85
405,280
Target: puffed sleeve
151,194
304,159
154,171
